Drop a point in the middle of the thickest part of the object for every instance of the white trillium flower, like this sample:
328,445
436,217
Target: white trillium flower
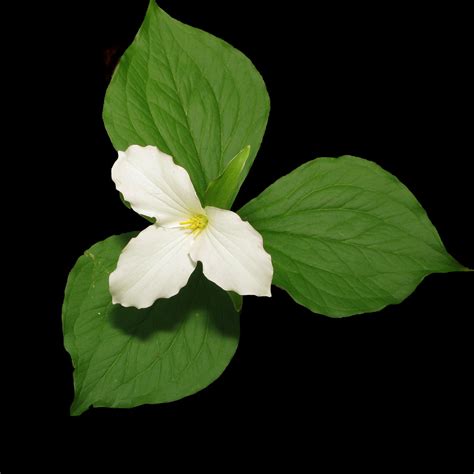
159,261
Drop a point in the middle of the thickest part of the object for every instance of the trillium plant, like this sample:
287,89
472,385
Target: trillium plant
152,317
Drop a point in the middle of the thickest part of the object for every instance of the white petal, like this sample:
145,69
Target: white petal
232,254
155,264
154,186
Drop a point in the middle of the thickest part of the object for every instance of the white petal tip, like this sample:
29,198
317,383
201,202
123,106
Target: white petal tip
263,293
267,294
126,304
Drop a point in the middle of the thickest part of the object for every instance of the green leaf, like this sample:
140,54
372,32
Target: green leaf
223,190
346,237
189,93
124,357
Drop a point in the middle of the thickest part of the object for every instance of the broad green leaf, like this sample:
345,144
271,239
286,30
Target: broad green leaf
189,93
346,237
223,190
124,357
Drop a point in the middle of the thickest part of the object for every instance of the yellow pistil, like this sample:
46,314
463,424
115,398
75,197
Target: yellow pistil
195,224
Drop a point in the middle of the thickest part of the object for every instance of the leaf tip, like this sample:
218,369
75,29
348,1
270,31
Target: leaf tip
237,300
77,408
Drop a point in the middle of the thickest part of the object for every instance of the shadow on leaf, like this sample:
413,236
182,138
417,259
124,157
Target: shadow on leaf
199,296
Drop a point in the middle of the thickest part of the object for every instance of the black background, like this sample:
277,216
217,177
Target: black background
387,84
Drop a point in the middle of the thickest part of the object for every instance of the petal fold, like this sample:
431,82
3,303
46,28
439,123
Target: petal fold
232,254
155,264
155,186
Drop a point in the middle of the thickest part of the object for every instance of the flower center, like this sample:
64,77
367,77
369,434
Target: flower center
196,223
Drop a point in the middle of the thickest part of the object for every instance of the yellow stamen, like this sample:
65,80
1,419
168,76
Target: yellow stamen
195,224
